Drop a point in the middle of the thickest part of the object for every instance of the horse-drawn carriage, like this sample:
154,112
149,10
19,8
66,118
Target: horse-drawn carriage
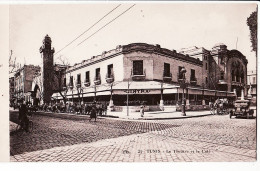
220,107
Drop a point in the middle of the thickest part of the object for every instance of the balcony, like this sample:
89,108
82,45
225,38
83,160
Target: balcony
97,81
71,85
167,77
78,85
110,78
222,82
180,79
86,83
193,81
138,76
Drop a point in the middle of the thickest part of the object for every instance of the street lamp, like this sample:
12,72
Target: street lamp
183,86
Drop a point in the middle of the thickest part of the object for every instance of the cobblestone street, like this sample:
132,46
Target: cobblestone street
209,138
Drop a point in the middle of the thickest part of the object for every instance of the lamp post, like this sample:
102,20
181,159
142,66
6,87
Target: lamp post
127,97
111,98
161,101
183,86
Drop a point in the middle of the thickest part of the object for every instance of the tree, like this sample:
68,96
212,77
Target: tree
12,63
252,23
59,75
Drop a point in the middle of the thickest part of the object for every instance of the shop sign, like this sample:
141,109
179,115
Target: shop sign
137,91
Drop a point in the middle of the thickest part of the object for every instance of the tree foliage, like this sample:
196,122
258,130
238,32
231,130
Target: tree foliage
252,23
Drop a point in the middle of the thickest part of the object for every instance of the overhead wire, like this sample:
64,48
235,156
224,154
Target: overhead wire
88,29
106,25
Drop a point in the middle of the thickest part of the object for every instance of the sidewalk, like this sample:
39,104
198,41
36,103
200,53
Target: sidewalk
158,115
154,115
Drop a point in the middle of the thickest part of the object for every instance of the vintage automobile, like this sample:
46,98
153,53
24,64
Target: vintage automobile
242,109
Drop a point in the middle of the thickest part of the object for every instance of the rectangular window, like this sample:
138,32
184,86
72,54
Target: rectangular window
206,66
64,82
206,80
222,75
138,67
109,70
192,76
98,74
71,81
79,79
179,76
166,71
87,77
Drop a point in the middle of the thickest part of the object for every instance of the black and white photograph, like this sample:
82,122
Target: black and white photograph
132,82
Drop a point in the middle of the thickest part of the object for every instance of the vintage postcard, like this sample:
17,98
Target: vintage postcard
132,82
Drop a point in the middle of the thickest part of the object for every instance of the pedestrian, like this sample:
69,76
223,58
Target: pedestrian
93,113
142,110
24,121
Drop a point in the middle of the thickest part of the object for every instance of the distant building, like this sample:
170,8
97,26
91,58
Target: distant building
23,79
11,89
252,84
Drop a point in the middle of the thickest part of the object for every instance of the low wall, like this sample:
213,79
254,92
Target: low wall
193,107
157,108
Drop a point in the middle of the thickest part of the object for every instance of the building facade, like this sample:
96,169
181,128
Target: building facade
143,73
23,79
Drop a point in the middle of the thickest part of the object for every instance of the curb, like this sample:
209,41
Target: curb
181,117
85,117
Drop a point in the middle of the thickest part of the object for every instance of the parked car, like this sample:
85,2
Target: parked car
242,109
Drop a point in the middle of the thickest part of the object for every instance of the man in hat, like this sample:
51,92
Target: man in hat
23,116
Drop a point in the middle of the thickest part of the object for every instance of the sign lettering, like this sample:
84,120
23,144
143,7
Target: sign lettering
137,91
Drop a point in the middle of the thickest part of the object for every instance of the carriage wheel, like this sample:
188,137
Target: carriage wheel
212,111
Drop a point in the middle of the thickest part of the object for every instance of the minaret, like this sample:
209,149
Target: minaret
47,73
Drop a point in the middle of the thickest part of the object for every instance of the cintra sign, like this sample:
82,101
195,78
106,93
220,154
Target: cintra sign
137,91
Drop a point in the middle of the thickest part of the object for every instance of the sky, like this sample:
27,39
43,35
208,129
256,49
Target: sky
172,25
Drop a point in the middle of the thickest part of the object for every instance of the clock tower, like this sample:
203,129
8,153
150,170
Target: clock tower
47,73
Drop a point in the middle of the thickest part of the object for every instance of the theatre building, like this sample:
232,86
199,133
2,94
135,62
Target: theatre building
142,73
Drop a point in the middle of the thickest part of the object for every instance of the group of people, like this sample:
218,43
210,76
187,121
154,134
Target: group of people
76,108
93,109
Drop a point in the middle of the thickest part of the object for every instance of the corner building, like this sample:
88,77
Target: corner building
143,73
